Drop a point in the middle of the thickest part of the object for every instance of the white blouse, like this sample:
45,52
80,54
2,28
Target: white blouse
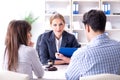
58,43
28,61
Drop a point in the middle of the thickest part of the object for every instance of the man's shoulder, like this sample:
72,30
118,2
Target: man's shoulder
81,51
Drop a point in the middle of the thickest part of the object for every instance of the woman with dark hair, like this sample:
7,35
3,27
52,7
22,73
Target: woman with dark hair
19,55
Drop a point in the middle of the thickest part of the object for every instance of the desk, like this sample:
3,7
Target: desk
55,75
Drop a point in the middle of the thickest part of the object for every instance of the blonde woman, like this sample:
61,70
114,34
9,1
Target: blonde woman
48,43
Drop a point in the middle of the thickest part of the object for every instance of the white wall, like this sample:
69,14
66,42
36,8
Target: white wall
17,9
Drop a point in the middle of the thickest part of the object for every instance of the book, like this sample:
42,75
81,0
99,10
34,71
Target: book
66,51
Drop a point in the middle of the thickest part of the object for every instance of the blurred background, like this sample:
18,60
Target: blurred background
18,9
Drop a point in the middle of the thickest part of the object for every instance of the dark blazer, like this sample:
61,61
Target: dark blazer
46,45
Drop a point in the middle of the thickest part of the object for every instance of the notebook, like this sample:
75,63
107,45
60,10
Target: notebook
68,52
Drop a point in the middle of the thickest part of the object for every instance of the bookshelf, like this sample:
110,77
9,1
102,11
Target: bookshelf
73,17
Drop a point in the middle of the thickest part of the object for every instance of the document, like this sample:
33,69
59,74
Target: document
68,52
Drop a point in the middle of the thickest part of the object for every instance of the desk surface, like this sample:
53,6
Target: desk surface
55,75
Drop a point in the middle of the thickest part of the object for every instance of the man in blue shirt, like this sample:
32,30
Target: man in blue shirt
100,55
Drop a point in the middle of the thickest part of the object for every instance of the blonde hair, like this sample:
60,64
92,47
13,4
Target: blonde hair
55,16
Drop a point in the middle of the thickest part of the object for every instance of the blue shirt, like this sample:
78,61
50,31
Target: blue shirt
101,55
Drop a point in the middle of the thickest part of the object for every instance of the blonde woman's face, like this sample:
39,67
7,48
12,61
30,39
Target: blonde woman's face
58,27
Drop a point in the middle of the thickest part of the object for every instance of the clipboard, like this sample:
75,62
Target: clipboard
66,51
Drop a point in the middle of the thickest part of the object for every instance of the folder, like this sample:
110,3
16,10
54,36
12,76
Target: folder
68,52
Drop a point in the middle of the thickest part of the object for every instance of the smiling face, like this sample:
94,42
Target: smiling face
57,23
58,27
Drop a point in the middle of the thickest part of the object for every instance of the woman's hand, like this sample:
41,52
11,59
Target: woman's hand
59,56
62,57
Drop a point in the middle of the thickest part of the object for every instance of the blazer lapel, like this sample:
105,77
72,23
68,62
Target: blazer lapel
64,40
52,42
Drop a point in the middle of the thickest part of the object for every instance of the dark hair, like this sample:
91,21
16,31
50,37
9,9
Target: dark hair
16,35
55,16
96,19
